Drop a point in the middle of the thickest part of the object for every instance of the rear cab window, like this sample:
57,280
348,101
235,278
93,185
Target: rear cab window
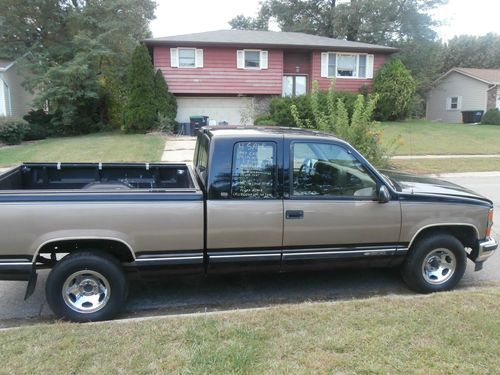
254,170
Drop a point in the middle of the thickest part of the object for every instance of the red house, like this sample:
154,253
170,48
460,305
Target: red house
230,75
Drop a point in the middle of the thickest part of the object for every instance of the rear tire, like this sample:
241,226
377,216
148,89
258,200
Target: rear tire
86,286
435,264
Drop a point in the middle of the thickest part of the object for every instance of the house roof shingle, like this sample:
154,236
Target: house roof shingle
490,75
268,38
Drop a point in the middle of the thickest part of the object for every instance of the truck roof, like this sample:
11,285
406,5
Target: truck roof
224,131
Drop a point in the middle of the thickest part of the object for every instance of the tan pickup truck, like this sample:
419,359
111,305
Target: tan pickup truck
258,199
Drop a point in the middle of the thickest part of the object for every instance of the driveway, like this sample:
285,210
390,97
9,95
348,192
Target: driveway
239,291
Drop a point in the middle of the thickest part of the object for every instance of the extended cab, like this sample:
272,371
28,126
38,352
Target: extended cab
257,199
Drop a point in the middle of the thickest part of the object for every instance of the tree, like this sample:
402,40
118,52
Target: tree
166,103
371,21
470,51
140,112
395,88
76,54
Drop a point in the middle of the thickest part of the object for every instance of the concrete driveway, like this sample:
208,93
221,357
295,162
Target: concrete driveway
239,291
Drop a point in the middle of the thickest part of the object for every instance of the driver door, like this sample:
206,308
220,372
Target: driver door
331,213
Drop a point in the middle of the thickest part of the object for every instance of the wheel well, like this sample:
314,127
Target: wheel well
467,235
115,248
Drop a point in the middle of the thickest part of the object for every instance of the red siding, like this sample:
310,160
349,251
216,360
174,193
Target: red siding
219,74
342,84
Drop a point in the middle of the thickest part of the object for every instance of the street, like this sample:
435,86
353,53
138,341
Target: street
185,295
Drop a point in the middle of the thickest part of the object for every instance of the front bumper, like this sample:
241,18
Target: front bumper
486,248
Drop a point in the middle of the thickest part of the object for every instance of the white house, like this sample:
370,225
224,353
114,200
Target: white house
14,99
463,89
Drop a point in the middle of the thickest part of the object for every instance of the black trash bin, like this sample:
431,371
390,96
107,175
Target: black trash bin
197,122
472,117
183,128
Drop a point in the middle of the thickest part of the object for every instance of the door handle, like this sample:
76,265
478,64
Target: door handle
294,214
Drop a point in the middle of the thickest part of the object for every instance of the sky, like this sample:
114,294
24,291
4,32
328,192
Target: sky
176,17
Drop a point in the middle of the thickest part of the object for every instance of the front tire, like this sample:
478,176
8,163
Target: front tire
435,264
86,286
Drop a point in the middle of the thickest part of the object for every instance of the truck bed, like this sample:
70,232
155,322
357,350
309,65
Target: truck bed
97,176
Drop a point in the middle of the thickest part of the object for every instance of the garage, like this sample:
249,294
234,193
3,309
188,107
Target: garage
233,110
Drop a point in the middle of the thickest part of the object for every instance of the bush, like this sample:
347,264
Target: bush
332,116
265,120
395,88
166,124
12,130
492,117
280,107
166,103
39,123
140,112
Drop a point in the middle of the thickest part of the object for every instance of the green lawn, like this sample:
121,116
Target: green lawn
424,166
425,137
104,147
445,333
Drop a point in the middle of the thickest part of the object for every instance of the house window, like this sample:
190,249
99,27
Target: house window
453,103
294,85
251,59
187,57
347,65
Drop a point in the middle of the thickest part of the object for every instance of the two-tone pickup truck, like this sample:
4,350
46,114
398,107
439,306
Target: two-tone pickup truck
257,199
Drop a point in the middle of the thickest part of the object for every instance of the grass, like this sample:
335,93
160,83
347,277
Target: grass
103,147
424,166
425,137
451,333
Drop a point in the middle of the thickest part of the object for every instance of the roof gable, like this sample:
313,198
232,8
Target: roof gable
489,76
267,38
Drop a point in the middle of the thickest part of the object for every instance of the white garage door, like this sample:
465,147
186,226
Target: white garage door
235,111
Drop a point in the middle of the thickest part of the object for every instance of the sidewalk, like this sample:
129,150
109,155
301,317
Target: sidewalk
179,149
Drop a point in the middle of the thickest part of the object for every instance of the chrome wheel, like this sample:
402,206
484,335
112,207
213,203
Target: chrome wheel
439,266
86,291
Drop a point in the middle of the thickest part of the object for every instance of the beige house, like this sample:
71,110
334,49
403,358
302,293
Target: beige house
14,99
463,89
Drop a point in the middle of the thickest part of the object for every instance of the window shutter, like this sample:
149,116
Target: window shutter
263,59
240,59
174,57
459,102
324,64
199,58
369,66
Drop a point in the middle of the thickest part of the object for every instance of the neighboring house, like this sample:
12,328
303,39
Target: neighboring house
230,75
463,89
14,99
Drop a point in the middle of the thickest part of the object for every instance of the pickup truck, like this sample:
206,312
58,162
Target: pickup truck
256,199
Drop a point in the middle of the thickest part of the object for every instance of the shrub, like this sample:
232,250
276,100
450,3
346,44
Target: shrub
280,109
166,103
265,120
39,123
12,130
491,117
395,88
140,114
166,124
360,130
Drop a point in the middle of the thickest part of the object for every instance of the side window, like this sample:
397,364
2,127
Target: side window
201,162
322,169
253,173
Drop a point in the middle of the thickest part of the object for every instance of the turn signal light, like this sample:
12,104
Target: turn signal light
489,223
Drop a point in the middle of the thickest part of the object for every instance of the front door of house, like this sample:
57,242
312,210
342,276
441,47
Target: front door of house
294,85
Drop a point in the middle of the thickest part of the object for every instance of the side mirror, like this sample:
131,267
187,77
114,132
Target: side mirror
383,194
